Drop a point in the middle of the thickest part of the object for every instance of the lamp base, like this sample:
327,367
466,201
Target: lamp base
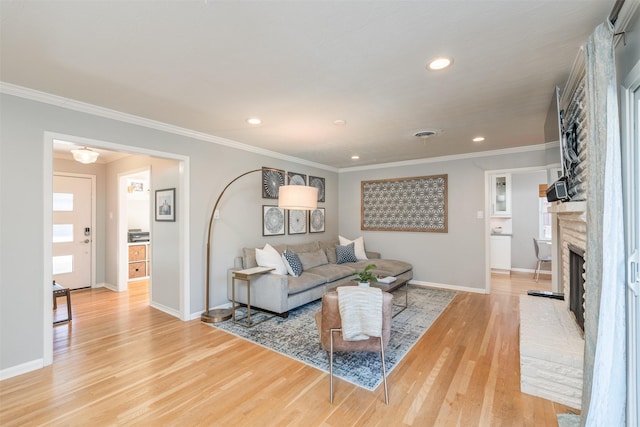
216,315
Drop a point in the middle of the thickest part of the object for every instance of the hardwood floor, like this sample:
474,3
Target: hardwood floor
121,362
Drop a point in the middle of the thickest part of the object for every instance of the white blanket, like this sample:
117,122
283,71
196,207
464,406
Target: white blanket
361,312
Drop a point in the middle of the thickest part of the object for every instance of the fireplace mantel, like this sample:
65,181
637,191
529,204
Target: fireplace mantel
568,207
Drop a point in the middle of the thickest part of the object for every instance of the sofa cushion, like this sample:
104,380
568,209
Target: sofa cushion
385,267
269,257
345,254
249,258
359,246
292,262
333,272
304,247
312,259
329,247
304,282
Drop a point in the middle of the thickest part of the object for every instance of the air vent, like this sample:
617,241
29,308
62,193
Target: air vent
426,133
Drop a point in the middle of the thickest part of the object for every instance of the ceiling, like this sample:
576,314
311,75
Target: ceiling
207,66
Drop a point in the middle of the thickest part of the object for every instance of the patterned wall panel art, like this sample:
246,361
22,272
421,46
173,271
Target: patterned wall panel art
405,204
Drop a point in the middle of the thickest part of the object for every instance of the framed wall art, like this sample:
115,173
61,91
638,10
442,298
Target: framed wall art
316,220
272,179
297,222
405,204
165,205
272,221
297,178
317,182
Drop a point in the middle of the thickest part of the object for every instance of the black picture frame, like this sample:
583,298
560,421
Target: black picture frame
318,182
272,220
272,179
165,209
316,220
295,178
297,221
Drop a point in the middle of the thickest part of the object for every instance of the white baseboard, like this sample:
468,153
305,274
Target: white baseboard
23,368
197,315
445,286
165,309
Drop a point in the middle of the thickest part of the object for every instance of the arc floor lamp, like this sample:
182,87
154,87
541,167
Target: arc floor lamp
294,197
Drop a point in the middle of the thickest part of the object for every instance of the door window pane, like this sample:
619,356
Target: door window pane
62,202
62,233
62,264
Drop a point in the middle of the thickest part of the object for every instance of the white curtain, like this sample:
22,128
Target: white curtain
604,394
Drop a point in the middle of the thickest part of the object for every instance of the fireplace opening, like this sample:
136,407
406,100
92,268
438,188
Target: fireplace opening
576,284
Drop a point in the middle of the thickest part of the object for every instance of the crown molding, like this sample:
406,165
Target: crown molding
83,107
465,156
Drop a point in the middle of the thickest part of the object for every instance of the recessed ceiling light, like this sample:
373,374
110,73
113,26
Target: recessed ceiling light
339,122
478,139
254,121
355,157
439,63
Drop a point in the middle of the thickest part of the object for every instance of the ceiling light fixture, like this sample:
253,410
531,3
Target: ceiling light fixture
355,157
478,139
440,63
85,155
339,122
254,121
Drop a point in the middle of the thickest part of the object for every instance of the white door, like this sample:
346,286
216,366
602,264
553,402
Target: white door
72,233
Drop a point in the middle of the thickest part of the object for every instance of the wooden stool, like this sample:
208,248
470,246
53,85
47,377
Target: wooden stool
59,291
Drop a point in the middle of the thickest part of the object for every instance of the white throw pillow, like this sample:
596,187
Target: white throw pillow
269,257
358,246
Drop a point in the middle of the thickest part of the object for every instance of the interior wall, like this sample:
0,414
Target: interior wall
211,167
456,258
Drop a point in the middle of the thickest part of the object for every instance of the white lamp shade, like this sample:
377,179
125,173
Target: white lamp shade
297,197
85,155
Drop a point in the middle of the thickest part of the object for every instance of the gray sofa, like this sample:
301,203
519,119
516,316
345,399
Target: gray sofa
280,293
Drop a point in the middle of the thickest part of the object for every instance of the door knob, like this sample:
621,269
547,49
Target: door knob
85,241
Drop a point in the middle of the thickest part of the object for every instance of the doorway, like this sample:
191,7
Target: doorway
174,290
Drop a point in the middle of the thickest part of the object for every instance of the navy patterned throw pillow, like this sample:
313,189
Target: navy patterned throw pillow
345,254
292,262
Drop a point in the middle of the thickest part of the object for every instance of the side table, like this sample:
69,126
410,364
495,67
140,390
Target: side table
246,276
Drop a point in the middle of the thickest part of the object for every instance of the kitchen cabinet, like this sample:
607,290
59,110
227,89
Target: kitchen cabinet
501,253
501,195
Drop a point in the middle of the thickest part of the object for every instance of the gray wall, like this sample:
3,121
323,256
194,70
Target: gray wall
524,196
456,258
212,166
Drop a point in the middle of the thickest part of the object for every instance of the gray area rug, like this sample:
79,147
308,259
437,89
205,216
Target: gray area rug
297,336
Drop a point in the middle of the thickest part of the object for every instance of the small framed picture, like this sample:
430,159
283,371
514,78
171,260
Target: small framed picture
272,220
166,204
272,179
317,182
297,222
316,220
297,178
